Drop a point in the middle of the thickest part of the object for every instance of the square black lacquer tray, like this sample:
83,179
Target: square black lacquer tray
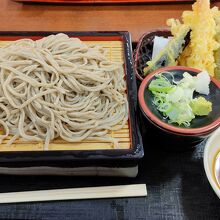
81,158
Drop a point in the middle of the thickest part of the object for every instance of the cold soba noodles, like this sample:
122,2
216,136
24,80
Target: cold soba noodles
60,87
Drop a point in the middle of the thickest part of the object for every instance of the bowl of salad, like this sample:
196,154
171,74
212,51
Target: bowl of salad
181,103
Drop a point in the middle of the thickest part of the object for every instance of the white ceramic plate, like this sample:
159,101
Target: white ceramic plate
211,149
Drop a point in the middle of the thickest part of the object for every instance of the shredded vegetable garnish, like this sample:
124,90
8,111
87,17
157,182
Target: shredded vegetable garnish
173,98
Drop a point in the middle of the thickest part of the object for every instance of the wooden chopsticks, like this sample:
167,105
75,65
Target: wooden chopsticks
135,190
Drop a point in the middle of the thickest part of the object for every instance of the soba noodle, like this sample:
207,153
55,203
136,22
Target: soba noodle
60,87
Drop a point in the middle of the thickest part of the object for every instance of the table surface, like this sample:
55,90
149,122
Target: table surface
136,19
177,185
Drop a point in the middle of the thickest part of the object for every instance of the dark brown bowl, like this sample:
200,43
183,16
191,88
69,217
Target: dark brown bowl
143,52
200,127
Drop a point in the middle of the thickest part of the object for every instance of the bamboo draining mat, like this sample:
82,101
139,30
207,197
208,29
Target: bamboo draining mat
115,53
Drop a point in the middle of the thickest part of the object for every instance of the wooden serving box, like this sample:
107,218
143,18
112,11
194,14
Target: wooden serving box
86,157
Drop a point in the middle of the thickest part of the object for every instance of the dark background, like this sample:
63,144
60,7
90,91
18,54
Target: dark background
176,183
